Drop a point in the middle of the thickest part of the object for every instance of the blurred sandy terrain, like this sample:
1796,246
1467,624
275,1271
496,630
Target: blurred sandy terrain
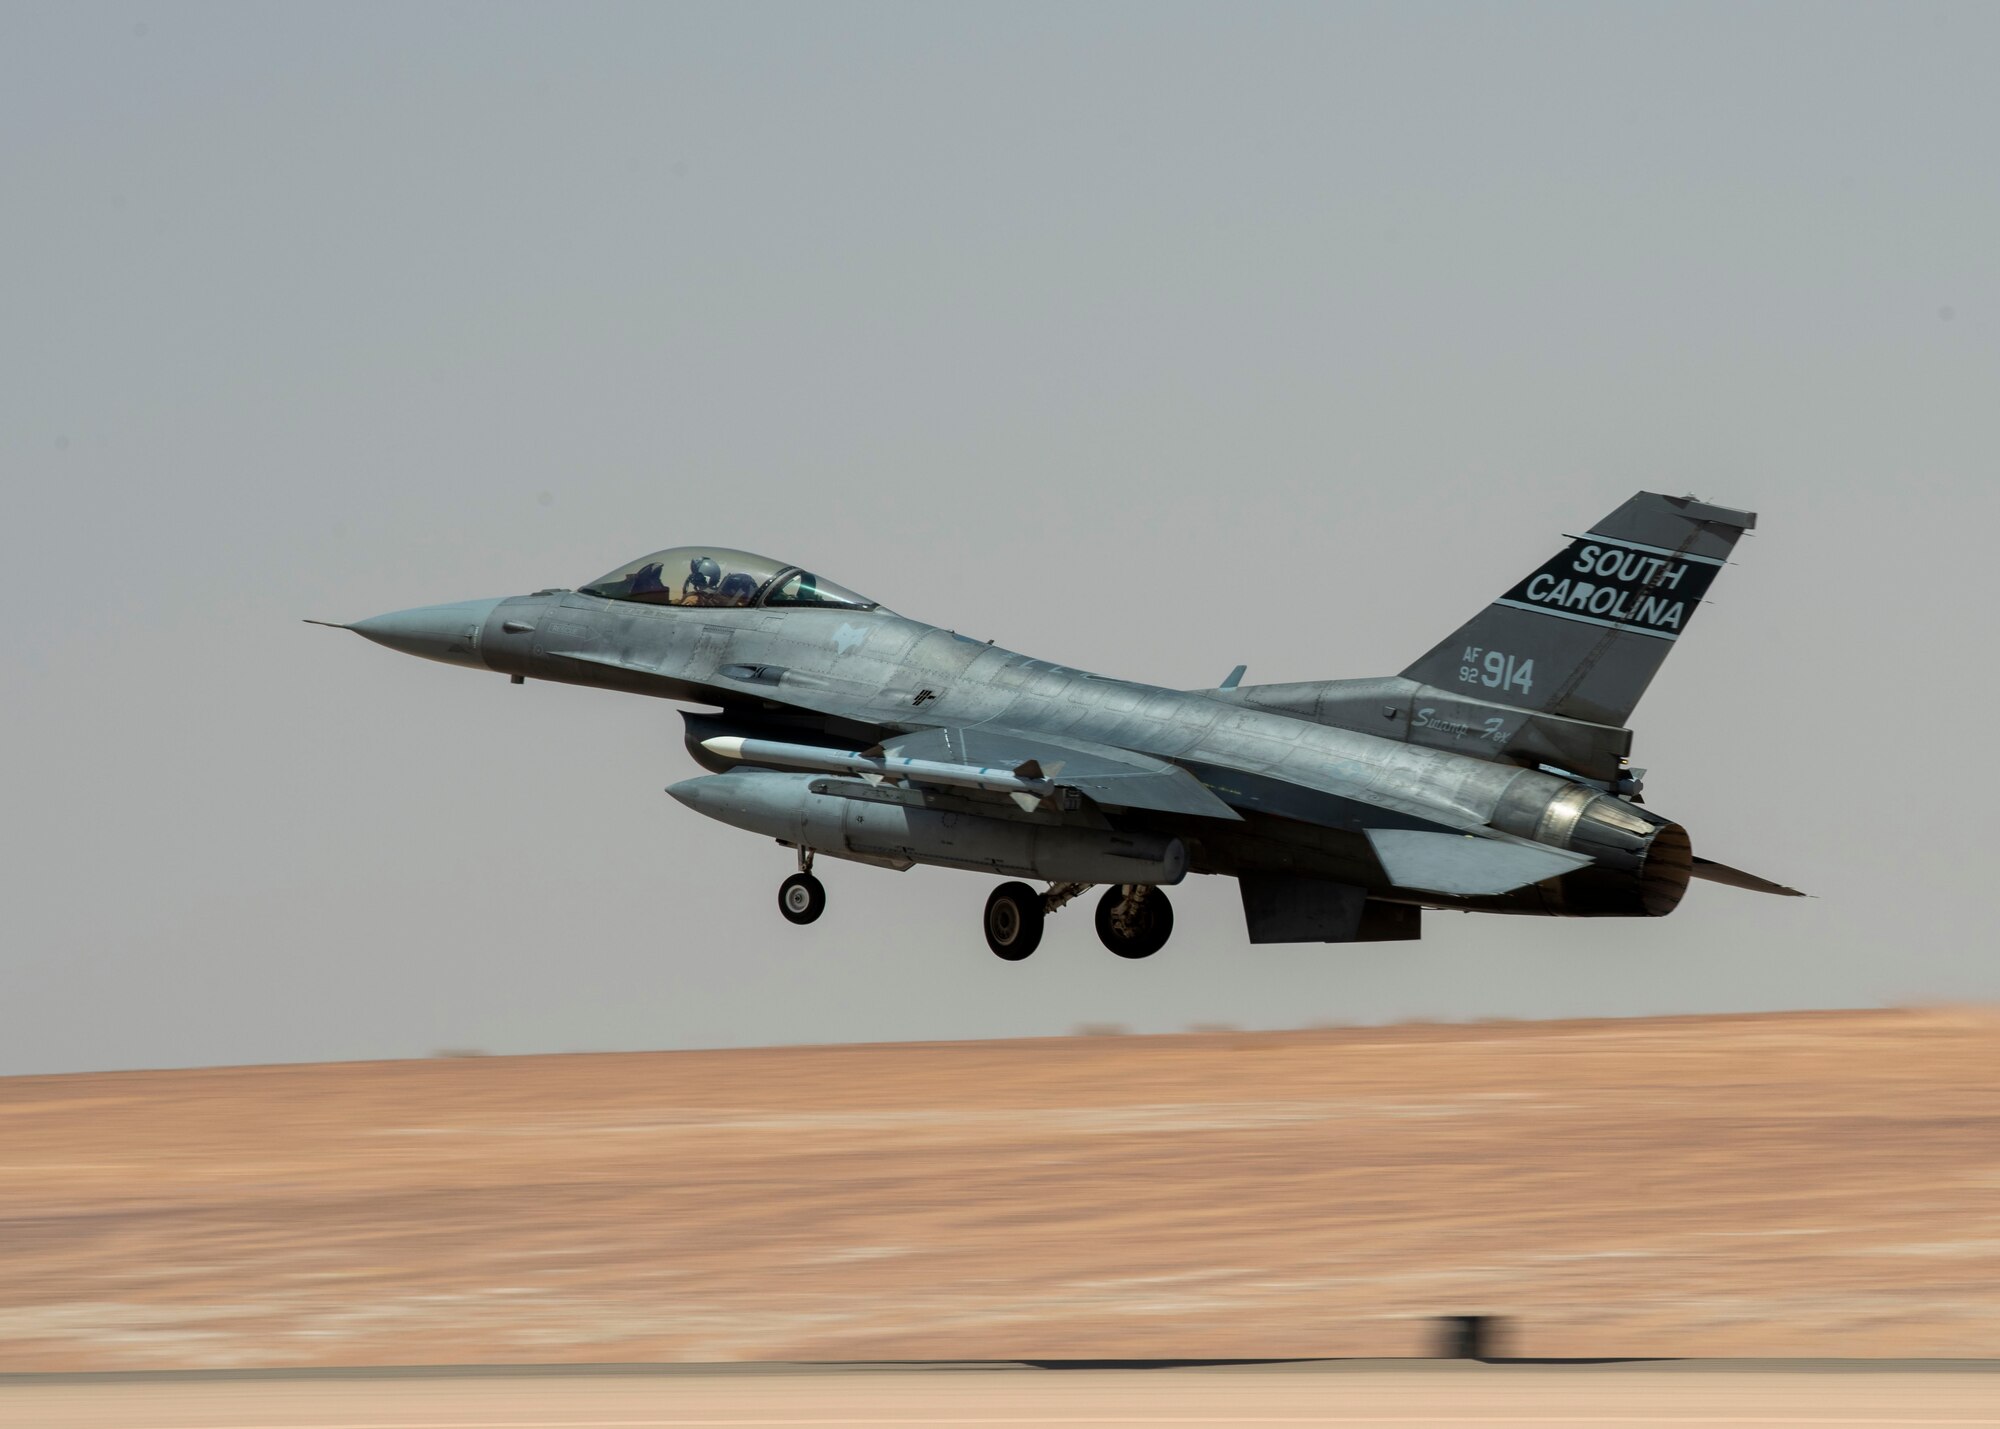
1806,1184
1340,1394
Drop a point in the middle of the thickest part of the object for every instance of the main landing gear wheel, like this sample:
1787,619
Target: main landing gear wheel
1134,920
1014,915
801,898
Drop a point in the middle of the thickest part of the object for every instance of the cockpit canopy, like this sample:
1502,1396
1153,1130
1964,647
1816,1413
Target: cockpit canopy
717,576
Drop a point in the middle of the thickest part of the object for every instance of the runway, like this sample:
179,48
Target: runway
1346,1393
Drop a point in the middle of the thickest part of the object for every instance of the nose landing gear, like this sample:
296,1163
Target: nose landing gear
802,898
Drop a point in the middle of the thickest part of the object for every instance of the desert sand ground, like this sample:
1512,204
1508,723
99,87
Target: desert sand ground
1351,1395
1809,1184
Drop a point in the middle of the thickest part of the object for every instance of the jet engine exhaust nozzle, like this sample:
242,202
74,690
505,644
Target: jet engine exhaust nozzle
1641,862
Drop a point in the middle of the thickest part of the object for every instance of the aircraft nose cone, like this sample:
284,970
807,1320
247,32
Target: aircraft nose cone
436,632
688,792
699,793
737,796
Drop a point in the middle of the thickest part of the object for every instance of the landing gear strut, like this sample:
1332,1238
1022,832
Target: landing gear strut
1134,920
802,898
1014,914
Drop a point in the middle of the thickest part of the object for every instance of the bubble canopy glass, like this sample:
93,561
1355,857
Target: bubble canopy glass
715,576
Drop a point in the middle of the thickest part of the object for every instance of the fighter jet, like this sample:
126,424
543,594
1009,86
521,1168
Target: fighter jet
1492,775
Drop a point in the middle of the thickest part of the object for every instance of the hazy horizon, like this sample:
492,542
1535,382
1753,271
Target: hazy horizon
1148,338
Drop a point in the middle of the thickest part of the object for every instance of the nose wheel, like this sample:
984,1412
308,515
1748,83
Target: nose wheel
802,898
1134,920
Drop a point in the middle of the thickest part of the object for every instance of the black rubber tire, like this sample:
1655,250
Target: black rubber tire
1156,923
801,898
1013,921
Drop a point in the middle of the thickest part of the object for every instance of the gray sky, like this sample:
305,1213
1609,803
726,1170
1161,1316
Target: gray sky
1148,338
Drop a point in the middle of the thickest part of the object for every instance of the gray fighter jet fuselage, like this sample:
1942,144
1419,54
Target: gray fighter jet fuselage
1491,775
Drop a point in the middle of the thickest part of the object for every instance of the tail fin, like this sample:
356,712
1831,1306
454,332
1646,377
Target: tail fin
1584,633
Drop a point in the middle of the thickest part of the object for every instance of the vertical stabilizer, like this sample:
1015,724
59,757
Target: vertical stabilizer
1583,634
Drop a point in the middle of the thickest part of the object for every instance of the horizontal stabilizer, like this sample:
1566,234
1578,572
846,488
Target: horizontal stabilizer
1465,865
1715,872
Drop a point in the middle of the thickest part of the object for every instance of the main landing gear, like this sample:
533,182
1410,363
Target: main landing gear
1134,920
802,898
1014,916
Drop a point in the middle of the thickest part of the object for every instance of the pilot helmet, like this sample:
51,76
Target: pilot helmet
703,573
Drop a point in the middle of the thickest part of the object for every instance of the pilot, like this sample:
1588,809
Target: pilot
703,577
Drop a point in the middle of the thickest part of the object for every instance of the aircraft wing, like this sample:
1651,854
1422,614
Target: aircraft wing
1428,858
1419,846
1120,778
